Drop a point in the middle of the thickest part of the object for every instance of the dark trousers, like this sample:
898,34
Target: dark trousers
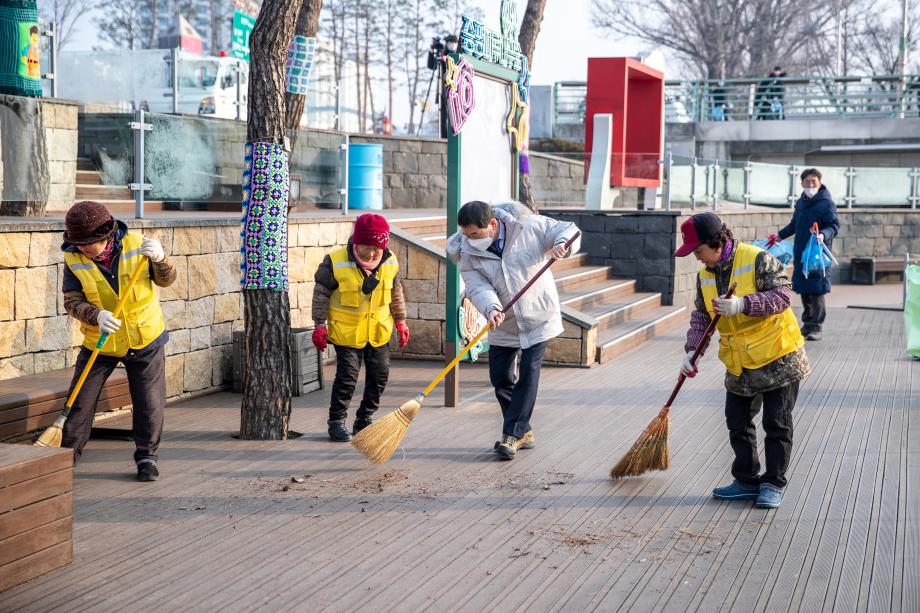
777,424
516,394
348,366
146,370
813,312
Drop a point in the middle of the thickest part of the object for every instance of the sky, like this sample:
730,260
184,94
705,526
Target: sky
565,42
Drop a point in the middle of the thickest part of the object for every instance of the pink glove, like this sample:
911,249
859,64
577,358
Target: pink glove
320,337
403,331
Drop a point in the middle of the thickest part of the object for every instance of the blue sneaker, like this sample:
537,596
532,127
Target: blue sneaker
736,491
770,496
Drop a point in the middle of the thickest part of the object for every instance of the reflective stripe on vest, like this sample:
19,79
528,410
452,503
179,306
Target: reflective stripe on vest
749,342
355,318
141,320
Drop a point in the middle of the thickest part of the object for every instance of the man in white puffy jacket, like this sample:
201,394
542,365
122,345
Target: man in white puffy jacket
500,249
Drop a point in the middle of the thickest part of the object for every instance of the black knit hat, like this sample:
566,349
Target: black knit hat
88,222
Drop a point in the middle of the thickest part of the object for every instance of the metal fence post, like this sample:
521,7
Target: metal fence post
175,81
904,281
715,184
851,178
51,32
239,90
139,187
914,195
693,185
790,197
343,188
666,196
747,184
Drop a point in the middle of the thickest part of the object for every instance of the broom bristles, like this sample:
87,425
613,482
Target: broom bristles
380,440
649,452
51,437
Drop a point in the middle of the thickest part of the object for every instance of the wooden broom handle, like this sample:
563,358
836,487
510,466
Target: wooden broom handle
701,348
568,244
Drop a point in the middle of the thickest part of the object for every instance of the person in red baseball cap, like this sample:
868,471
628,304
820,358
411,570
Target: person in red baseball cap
760,345
357,302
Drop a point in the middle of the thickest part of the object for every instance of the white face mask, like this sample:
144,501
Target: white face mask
480,244
810,191
452,47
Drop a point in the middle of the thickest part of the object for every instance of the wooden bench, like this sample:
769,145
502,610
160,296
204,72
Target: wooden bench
33,402
865,271
36,507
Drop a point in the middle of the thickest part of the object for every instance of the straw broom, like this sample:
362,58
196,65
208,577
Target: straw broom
651,450
52,436
380,440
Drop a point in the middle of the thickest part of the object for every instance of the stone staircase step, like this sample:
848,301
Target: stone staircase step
575,279
576,261
89,177
623,337
635,307
103,192
600,291
85,164
121,207
422,226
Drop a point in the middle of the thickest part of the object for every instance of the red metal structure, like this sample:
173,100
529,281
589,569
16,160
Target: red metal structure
634,94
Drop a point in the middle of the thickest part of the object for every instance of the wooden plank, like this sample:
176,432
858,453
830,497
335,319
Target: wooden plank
25,462
25,544
21,426
26,518
44,386
32,491
56,405
38,563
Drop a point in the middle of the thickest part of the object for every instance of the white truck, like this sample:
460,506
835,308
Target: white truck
143,79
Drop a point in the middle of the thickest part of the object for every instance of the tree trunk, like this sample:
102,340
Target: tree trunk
527,38
307,25
266,406
26,178
530,28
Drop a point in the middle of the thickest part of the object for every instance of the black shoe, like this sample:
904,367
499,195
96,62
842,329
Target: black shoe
147,471
360,424
338,432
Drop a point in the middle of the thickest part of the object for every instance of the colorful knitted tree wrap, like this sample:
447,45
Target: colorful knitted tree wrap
20,44
264,233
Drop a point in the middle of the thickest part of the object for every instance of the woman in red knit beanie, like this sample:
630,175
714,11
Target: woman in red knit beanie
359,293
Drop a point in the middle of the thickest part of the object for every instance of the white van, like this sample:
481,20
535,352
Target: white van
142,79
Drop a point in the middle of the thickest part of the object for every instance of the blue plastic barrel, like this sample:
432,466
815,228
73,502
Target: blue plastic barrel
365,176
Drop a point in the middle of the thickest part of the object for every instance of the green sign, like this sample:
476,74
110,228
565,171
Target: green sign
242,28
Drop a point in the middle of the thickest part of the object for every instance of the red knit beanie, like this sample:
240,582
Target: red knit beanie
371,229
88,222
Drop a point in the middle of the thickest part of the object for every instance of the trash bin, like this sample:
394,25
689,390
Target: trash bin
365,176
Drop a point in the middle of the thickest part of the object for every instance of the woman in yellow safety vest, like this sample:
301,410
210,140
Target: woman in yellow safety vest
100,256
359,294
760,345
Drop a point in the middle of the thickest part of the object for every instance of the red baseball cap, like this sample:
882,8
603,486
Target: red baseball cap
698,230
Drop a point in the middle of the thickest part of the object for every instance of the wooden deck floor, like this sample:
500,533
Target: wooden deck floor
444,526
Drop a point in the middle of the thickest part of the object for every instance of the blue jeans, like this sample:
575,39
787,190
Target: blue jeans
516,394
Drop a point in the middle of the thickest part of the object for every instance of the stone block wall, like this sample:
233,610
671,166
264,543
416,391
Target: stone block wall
423,270
557,181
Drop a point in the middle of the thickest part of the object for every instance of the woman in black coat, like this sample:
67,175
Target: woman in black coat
813,206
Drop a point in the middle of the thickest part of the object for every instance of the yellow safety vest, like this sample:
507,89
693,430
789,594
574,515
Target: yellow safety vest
141,320
744,341
355,318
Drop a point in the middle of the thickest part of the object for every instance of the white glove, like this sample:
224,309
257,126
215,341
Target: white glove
687,369
728,306
496,318
820,238
153,249
107,322
559,251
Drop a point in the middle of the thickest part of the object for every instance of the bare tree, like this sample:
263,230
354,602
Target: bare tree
530,28
720,38
875,43
266,406
119,24
64,14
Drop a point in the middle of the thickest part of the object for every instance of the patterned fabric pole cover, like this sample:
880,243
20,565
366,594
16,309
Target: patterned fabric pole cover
264,262
20,48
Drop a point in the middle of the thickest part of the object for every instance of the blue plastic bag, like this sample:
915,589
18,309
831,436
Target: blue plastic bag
815,260
781,250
